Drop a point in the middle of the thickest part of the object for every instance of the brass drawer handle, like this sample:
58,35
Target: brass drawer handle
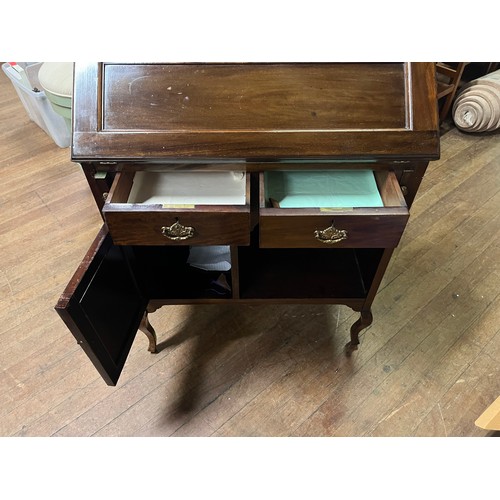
331,235
177,231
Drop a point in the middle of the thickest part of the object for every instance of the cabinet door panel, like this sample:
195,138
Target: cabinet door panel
103,307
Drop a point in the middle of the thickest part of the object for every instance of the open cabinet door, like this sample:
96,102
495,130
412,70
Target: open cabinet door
103,307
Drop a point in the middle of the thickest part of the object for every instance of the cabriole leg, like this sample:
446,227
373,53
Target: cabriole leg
364,321
146,328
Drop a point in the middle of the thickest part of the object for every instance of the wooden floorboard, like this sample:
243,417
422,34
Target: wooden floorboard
428,365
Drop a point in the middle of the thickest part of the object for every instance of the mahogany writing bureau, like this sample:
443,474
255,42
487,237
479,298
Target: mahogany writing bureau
250,131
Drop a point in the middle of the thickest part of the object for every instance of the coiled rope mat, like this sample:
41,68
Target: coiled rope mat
477,107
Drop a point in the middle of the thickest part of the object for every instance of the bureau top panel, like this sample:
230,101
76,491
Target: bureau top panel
249,112
265,98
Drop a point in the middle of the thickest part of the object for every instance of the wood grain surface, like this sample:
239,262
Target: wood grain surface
265,111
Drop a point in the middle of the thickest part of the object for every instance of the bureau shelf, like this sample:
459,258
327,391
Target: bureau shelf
329,274
163,274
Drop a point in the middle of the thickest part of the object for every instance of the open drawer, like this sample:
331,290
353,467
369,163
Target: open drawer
179,208
373,218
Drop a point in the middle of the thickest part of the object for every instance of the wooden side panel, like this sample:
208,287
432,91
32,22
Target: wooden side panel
424,103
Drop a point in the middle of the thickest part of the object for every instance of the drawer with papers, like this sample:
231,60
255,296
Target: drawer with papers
179,208
331,208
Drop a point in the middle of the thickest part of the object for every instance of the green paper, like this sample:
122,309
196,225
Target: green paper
323,189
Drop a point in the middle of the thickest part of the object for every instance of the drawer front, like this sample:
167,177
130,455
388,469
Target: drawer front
377,230
179,228
154,223
359,227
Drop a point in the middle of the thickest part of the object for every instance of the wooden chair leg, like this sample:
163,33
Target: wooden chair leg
449,98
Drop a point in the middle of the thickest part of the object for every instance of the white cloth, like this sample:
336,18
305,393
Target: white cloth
210,258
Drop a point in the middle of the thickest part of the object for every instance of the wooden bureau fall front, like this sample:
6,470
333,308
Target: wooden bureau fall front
241,183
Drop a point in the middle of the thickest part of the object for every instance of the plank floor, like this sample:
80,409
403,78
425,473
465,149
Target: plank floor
428,366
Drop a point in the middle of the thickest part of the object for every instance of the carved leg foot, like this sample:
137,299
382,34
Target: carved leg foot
146,328
364,321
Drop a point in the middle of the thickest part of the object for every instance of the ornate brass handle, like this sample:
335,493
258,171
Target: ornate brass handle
330,235
177,231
